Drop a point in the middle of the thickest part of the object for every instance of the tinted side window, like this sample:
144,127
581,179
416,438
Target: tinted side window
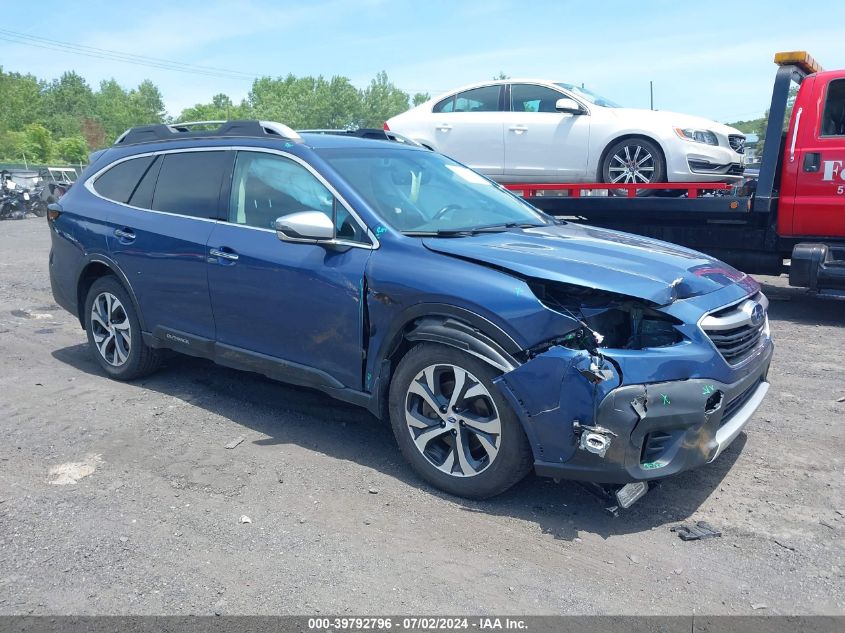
530,98
119,182
484,99
447,105
266,187
833,121
189,183
143,195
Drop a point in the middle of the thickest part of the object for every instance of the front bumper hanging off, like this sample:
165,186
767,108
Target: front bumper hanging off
612,433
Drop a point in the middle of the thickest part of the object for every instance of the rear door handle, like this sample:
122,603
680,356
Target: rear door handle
219,253
519,129
124,234
444,127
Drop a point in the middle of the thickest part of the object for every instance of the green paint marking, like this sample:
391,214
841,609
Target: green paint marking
380,230
518,290
369,378
665,398
652,465
708,389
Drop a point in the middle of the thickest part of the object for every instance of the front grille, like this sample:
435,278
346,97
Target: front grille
737,330
737,142
736,404
736,169
736,344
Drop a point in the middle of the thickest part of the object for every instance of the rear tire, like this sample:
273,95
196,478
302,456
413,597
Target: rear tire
114,332
633,160
472,445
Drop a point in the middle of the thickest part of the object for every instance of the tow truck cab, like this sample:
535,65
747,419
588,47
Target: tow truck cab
811,197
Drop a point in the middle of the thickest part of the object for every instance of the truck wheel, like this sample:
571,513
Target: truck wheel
452,425
633,160
114,332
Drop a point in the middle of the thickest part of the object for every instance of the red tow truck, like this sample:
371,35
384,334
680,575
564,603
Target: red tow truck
792,219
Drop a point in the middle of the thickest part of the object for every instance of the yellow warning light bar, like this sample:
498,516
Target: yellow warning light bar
802,59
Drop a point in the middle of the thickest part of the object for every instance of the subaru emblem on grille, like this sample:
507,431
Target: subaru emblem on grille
757,314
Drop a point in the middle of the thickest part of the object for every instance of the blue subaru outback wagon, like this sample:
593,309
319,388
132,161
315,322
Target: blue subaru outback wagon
493,337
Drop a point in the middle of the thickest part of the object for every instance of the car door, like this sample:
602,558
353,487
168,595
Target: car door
468,127
159,230
542,144
293,305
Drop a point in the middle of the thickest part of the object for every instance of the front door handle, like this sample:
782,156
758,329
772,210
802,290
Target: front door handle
812,161
519,129
444,127
216,252
124,234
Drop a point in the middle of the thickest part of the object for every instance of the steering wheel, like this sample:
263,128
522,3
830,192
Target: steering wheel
444,210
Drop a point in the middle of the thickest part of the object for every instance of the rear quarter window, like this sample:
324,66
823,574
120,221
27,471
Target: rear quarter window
119,182
189,183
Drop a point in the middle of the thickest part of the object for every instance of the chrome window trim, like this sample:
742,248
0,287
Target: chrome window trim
551,86
89,185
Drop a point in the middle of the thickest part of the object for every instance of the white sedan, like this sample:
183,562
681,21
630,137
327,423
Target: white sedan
531,130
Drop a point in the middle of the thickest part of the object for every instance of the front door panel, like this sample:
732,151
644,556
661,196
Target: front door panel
295,302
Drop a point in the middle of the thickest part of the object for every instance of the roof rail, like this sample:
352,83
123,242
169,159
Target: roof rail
182,130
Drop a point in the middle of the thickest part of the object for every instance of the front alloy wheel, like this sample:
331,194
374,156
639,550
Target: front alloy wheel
631,164
453,425
633,161
453,420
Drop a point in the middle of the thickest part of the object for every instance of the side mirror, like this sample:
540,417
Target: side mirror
305,226
568,106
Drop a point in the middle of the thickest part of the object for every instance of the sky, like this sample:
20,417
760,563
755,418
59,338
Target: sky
713,61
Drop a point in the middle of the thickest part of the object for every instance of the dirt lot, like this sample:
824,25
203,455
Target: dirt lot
339,524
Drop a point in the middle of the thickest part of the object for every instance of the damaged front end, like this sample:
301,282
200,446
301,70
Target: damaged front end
633,393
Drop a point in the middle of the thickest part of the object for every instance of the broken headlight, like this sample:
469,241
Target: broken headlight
610,320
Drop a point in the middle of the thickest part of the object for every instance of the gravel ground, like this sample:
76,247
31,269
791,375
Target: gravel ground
339,524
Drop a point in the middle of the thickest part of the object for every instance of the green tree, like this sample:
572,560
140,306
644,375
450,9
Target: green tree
37,143
72,149
67,101
306,102
20,96
380,101
420,98
147,103
501,75
13,146
113,110
221,108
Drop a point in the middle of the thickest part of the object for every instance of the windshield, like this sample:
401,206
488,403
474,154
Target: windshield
592,97
421,192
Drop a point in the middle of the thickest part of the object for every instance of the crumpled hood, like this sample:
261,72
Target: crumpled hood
607,260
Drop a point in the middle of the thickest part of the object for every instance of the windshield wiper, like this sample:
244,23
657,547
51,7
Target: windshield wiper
492,228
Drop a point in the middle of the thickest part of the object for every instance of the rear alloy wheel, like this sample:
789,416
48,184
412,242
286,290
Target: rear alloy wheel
453,426
114,332
633,161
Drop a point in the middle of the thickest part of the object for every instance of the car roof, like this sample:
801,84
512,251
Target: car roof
499,82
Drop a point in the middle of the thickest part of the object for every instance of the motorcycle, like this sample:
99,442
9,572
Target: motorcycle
14,204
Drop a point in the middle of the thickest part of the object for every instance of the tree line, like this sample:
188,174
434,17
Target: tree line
64,119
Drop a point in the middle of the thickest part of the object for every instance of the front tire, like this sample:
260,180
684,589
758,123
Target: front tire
452,425
114,332
631,161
